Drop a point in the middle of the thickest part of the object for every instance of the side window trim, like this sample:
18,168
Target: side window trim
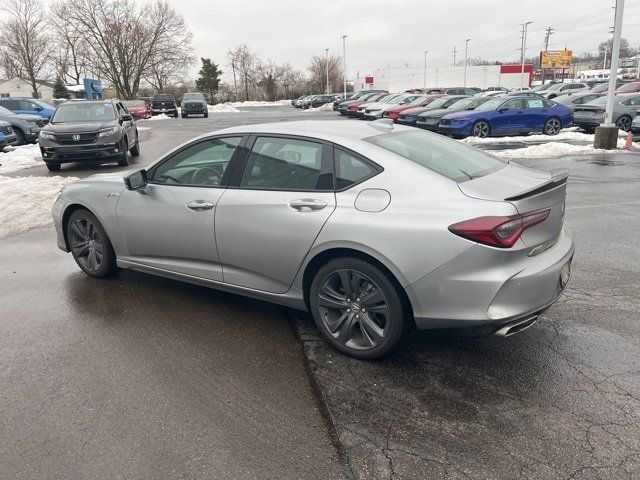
376,169
326,167
235,158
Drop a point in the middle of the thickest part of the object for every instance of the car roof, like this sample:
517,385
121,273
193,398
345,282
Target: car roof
329,130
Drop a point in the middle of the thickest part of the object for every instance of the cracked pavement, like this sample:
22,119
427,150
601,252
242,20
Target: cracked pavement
558,401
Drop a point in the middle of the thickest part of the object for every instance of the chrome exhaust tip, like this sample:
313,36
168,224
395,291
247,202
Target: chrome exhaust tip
516,326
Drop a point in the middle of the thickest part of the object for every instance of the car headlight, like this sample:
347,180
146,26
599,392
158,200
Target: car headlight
106,133
47,136
34,129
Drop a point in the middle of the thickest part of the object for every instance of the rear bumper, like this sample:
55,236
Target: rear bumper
486,286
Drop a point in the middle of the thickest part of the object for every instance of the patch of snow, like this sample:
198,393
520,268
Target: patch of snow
551,149
144,128
19,158
222,108
259,104
327,107
563,135
162,116
25,202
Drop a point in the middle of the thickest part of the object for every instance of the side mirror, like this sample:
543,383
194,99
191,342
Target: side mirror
38,109
136,180
503,109
126,117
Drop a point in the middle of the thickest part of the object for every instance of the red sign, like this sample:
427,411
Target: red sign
368,80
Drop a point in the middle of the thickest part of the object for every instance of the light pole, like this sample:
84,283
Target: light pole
344,64
424,80
524,47
326,56
466,54
615,55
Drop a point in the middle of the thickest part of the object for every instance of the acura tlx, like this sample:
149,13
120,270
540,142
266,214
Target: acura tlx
376,229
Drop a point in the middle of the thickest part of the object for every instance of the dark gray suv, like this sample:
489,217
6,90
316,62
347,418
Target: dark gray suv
89,130
194,104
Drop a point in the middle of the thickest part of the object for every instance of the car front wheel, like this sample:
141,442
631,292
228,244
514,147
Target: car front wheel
124,159
357,308
90,245
480,129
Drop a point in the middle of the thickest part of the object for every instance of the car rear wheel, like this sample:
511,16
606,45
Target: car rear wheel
357,308
552,126
53,167
624,123
480,129
90,245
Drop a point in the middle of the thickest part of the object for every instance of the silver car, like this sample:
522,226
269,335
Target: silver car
376,229
591,114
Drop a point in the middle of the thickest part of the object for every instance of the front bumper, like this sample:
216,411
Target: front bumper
455,129
166,111
54,153
194,111
487,286
411,121
430,124
373,115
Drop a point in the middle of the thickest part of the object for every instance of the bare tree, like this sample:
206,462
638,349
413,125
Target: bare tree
318,70
71,57
126,41
25,42
243,62
269,76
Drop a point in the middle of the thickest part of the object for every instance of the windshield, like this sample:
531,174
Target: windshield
438,103
600,87
629,87
554,87
193,96
599,101
386,98
418,100
84,112
444,156
491,104
537,88
462,103
5,112
134,103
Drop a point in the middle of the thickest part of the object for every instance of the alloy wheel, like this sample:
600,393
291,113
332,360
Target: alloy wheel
553,126
87,244
354,309
481,130
624,123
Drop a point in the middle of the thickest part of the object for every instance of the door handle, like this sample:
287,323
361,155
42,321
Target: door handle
200,205
307,204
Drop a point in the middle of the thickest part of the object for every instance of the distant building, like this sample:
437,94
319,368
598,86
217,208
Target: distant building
19,87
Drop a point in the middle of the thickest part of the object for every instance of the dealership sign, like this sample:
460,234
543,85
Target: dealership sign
556,59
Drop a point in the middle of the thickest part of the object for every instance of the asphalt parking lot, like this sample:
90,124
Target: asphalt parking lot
142,377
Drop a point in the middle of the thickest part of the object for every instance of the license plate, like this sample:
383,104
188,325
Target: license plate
565,274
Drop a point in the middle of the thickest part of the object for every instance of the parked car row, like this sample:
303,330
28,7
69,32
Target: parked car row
464,115
315,101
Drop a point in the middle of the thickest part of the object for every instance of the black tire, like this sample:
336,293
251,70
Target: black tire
90,244
358,332
123,161
624,123
20,138
206,114
184,115
588,129
175,115
135,150
53,167
481,129
552,126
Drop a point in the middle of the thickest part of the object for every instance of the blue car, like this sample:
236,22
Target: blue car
31,106
508,116
7,135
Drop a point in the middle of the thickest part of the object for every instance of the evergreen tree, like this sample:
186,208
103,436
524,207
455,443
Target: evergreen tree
209,78
60,89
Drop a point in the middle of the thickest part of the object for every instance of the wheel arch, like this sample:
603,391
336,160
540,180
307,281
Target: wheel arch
320,258
66,215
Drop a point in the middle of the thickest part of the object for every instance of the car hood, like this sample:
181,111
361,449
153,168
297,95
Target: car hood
374,105
74,127
25,117
111,177
465,114
137,109
416,110
441,112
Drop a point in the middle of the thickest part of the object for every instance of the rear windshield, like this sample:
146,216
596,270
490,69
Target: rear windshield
134,103
449,158
84,112
629,87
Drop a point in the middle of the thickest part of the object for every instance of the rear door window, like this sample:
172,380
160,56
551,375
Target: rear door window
351,170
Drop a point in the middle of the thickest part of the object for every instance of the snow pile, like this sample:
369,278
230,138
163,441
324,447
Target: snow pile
25,202
563,135
551,149
21,157
161,116
327,107
259,104
222,108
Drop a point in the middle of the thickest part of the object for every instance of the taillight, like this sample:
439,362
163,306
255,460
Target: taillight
501,232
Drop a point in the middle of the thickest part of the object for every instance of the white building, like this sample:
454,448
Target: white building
19,87
481,76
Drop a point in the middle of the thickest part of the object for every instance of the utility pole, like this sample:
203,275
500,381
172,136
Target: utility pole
466,56
424,80
524,47
454,56
235,84
607,133
546,48
326,56
344,64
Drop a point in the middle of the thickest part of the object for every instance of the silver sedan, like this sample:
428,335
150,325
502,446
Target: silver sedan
376,229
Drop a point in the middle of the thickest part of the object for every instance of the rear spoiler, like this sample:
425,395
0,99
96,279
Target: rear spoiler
557,179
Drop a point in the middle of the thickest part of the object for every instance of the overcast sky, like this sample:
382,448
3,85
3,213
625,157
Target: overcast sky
382,33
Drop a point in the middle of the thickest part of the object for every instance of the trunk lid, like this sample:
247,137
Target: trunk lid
529,191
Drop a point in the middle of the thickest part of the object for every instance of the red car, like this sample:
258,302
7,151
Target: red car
352,110
421,101
139,109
